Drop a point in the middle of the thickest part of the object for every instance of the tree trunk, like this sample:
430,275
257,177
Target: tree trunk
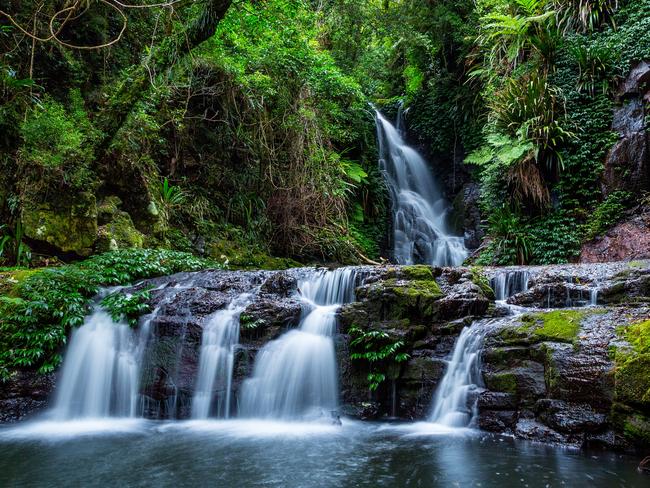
136,84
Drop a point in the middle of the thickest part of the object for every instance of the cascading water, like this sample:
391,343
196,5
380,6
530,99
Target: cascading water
295,376
508,283
421,233
463,375
101,370
220,337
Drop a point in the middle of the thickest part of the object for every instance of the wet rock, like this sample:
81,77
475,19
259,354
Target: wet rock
280,284
627,166
535,431
526,381
583,376
466,298
25,393
569,417
497,420
466,215
265,319
494,400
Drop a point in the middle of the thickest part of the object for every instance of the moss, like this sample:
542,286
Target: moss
417,272
559,325
10,278
503,381
632,377
241,256
69,226
638,335
551,373
107,209
119,233
637,429
480,280
410,296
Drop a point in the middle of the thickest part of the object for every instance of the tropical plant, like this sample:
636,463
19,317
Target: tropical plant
12,245
377,349
585,15
129,307
516,31
531,109
510,243
595,62
170,195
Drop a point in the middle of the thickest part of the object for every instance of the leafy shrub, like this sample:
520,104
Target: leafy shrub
129,307
606,214
37,315
533,110
553,238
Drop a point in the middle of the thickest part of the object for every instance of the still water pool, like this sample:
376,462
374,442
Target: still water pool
271,454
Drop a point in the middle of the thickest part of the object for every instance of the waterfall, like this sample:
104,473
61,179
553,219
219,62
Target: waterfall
421,233
508,283
220,337
295,376
101,370
463,375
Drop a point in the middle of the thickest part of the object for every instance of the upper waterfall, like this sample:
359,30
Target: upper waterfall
421,233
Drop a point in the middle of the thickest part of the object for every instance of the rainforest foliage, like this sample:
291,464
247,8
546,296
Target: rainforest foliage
240,130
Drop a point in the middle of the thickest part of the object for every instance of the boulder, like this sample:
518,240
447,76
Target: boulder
69,224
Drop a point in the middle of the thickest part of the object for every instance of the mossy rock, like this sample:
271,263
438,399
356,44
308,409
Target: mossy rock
637,429
632,378
417,272
632,374
119,233
70,225
502,381
482,281
107,209
555,326
415,295
240,256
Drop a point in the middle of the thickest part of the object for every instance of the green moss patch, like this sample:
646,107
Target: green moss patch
559,325
417,272
632,375
503,381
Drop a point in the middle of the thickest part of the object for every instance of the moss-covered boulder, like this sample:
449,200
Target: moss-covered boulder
632,378
68,223
118,233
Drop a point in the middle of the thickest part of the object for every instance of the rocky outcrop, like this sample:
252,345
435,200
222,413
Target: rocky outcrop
626,241
69,224
24,393
553,376
467,216
627,166
419,307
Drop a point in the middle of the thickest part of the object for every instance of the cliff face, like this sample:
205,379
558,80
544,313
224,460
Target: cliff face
566,360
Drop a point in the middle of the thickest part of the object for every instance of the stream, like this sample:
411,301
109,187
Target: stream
233,453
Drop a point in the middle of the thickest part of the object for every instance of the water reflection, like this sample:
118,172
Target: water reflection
281,454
